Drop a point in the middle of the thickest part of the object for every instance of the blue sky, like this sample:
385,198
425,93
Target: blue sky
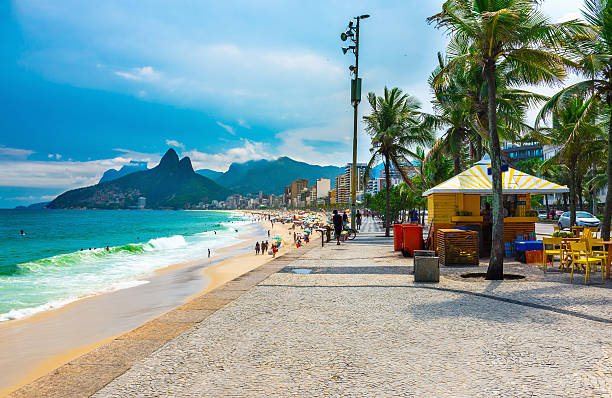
86,86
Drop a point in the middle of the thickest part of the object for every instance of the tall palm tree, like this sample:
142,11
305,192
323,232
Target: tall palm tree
514,31
577,134
595,59
393,126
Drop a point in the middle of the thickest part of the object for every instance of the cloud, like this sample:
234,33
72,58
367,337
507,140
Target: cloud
64,174
243,123
175,143
139,74
227,128
327,144
249,150
14,153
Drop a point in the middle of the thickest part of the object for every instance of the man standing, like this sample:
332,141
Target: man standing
338,224
358,220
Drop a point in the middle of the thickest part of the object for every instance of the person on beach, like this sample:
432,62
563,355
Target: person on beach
358,220
257,248
294,237
208,253
268,233
338,225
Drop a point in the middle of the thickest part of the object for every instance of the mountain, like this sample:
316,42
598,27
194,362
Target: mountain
213,175
33,206
129,168
170,184
271,176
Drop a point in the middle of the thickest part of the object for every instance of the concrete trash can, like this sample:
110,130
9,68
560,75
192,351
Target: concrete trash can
426,269
424,253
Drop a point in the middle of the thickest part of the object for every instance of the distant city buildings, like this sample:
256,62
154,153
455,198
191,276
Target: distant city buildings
142,202
524,152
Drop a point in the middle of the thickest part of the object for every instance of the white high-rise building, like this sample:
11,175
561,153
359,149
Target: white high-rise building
323,186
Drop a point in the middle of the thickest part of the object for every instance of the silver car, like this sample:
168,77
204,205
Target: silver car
583,219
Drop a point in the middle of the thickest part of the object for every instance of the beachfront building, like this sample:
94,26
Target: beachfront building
523,152
142,202
323,185
348,169
332,196
342,193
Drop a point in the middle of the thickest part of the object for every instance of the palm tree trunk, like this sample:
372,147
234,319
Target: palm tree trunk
573,184
457,163
579,191
496,263
605,226
388,188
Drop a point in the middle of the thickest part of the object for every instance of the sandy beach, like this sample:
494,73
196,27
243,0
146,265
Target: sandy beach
36,345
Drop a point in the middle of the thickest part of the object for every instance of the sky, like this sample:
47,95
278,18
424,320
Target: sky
87,86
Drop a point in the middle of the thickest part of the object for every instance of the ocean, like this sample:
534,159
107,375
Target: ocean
63,254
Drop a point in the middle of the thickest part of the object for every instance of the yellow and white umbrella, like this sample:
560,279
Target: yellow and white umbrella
477,180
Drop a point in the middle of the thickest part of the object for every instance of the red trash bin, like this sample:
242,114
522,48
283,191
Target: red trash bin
412,238
398,242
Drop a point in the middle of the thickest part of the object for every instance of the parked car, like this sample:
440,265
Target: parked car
559,213
543,215
583,219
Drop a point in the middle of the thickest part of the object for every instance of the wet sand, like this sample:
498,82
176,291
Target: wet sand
32,347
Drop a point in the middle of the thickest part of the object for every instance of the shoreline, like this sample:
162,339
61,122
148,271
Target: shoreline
226,264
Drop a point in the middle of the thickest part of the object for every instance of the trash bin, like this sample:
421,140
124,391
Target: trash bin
412,239
397,237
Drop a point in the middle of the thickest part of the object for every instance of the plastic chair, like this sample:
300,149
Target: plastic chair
550,249
556,228
581,256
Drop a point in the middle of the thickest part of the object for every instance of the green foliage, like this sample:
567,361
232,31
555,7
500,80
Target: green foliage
400,198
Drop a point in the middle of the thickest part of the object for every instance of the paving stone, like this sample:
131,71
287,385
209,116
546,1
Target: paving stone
119,352
191,316
158,331
71,381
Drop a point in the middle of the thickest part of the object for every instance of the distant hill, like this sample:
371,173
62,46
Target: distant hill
129,168
213,175
271,176
170,184
33,206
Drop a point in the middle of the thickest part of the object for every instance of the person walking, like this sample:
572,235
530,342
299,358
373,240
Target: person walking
358,220
344,217
257,248
337,220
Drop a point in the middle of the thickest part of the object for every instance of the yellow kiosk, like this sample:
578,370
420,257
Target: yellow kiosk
456,202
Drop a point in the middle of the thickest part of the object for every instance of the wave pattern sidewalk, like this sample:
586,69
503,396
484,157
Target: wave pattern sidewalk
357,325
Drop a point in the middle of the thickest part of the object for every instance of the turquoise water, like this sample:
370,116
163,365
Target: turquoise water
63,254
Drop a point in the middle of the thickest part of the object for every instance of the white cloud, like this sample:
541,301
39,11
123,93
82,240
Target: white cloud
227,128
14,153
64,174
139,74
249,150
243,123
175,143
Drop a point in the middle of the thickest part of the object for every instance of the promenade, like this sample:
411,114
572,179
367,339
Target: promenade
349,321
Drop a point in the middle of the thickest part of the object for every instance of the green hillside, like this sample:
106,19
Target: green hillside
271,176
171,184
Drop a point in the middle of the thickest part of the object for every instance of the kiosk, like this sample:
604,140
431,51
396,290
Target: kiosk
457,202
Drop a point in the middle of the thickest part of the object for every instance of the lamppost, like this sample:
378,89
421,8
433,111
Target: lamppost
353,34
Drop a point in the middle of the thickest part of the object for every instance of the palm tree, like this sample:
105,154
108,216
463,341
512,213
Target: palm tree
393,126
516,32
595,59
578,136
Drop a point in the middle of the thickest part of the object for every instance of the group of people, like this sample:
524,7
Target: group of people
263,248
340,223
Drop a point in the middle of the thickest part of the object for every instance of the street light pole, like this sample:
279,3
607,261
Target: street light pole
355,99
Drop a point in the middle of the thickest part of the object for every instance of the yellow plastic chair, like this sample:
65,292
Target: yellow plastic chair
556,228
552,248
598,250
582,257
